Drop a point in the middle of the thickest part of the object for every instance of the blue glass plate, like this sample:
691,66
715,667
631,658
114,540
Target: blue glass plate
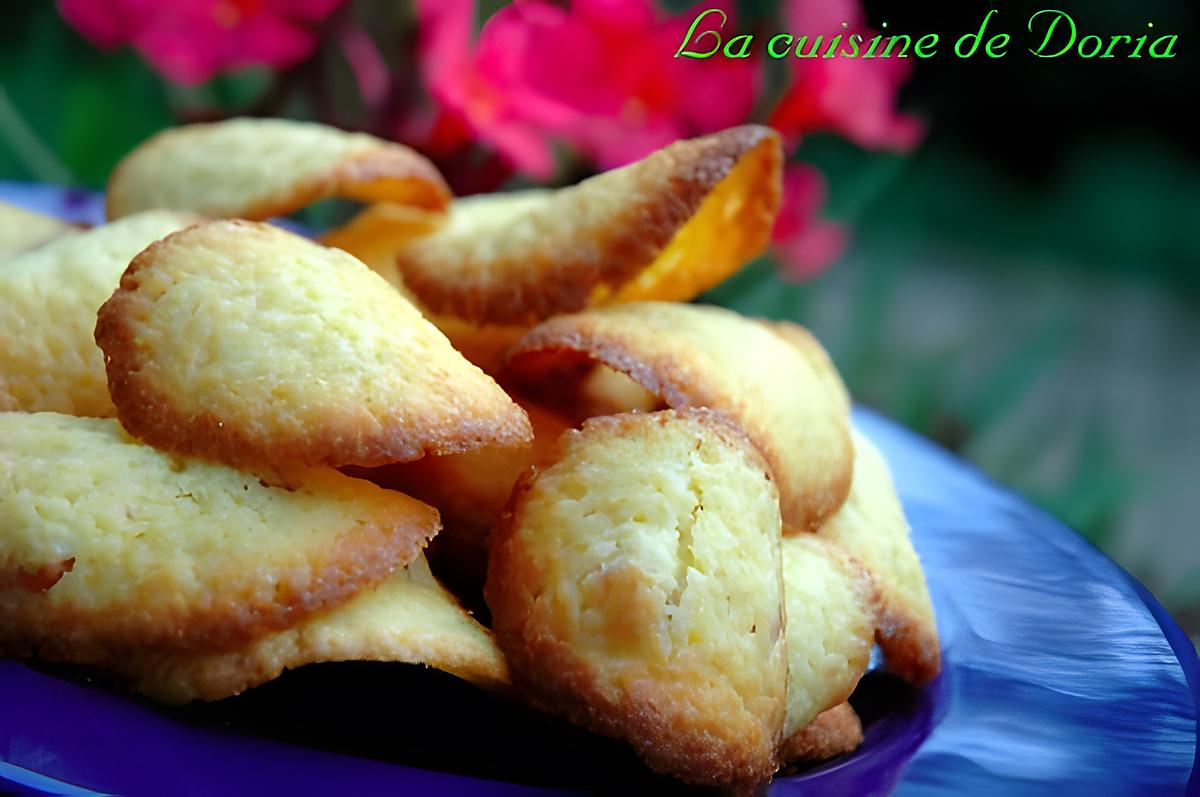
1062,676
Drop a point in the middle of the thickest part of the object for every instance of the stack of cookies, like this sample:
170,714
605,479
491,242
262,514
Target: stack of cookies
227,450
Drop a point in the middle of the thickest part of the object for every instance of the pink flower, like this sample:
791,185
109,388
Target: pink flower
482,93
597,74
189,41
826,17
853,97
611,63
804,244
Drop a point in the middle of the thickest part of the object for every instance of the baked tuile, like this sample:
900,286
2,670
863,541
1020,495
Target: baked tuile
807,344
832,611
471,491
377,231
635,589
373,237
407,618
22,230
259,168
242,343
872,527
154,551
48,302
704,356
834,732
666,227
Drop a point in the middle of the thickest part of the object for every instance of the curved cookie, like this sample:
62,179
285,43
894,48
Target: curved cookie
831,617
48,302
243,343
471,491
259,168
120,545
604,391
374,235
22,230
702,356
808,345
666,227
871,526
833,732
409,617
636,589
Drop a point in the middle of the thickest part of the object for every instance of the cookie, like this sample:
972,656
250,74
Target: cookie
808,345
48,302
22,230
471,491
831,617
703,356
243,343
835,731
259,168
666,227
376,232
872,527
107,543
635,588
409,617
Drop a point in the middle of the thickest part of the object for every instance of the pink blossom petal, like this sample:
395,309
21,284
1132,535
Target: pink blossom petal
612,143
266,39
616,109
486,90
185,50
810,17
810,254
803,243
853,97
101,23
594,73
309,11
366,62
189,41
444,36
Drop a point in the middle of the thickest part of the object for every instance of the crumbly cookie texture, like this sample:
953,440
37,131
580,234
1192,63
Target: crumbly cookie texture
471,492
22,230
259,168
872,527
808,345
108,543
833,732
666,227
702,356
636,589
241,342
831,615
409,617
48,302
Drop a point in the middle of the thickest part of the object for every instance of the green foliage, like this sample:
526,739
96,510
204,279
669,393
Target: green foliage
85,108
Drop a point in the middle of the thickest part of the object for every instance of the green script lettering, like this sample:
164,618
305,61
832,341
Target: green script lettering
926,46
1169,48
686,53
771,45
1055,17
973,38
743,50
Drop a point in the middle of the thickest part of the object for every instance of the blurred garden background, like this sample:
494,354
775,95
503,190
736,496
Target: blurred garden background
1004,255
